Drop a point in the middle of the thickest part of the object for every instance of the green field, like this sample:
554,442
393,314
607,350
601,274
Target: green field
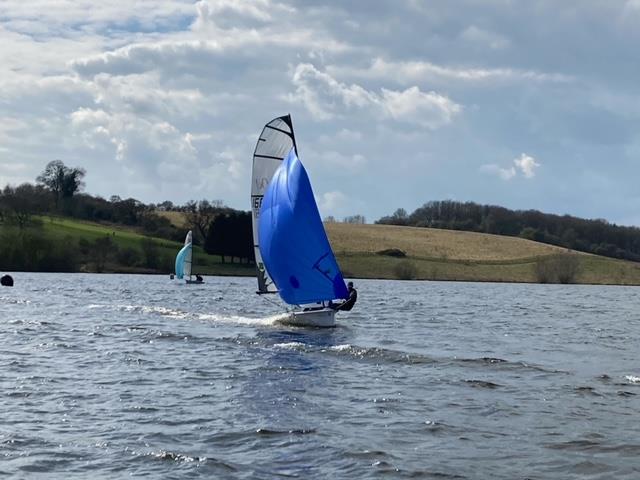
61,228
431,254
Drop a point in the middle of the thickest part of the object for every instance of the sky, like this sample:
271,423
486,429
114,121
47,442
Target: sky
526,104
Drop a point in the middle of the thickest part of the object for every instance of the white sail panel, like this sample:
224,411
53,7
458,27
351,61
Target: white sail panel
188,241
275,142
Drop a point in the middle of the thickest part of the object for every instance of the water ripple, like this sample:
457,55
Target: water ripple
113,376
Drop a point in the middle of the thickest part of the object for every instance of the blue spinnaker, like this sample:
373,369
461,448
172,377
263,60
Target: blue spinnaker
293,243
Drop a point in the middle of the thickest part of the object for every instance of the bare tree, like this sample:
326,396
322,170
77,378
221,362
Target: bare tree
63,181
201,214
358,219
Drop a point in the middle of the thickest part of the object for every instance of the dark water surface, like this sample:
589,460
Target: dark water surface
113,376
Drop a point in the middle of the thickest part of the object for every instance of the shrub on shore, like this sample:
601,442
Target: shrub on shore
405,270
562,268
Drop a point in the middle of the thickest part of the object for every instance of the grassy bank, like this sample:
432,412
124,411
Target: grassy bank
60,230
434,254
431,254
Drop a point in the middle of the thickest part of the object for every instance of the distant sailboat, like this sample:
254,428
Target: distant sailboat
293,251
184,261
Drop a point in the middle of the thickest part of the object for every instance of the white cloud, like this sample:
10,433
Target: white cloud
484,38
429,109
525,164
411,71
323,95
333,201
85,17
256,9
138,92
337,204
278,26
326,98
504,173
11,173
334,160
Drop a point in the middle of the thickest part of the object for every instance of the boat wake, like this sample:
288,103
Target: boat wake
15,301
279,319
260,321
144,309
632,379
290,345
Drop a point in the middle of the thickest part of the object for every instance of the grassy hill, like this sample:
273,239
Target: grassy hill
435,254
124,238
430,254
456,255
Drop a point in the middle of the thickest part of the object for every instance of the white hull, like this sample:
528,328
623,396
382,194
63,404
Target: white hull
325,317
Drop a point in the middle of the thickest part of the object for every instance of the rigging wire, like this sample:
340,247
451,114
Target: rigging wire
267,299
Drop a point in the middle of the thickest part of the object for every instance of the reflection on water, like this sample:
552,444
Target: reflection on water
111,375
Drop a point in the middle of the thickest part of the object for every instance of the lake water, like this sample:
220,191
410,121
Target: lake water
113,376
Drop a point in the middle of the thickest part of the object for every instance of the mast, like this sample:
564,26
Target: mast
189,257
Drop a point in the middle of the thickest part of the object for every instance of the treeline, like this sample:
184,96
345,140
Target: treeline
352,219
592,236
25,246
33,248
27,249
230,235
19,204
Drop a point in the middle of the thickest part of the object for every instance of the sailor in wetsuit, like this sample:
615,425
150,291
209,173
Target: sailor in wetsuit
350,302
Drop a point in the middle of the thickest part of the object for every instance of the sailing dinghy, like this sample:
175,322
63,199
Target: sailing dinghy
184,260
293,254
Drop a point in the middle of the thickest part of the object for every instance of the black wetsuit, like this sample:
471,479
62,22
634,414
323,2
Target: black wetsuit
350,302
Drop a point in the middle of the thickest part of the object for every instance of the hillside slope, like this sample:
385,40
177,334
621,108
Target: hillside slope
457,255
430,254
60,228
434,243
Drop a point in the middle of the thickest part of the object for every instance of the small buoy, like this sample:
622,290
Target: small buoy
6,280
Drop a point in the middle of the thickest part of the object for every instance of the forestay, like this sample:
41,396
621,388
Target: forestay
274,143
293,242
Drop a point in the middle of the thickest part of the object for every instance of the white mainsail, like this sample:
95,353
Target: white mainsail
274,144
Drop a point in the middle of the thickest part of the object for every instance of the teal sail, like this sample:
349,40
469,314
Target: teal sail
183,259
293,243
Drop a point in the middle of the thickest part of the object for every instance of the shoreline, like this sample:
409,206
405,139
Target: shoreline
349,277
